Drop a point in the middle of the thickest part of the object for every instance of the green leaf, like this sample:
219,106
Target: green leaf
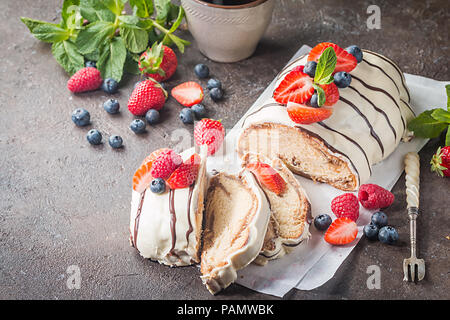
130,20
115,6
69,8
131,65
425,126
165,11
321,96
94,35
142,8
32,23
447,89
65,52
447,137
441,115
136,40
112,59
95,10
93,56
325,66
178,21
50,33
180,43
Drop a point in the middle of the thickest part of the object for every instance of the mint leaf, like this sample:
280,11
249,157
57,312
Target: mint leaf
425,126
441,115
94,35
68,9
178,21
447,89
65,52
165,11
447,137
325,66
136,39
95,10
50,33
115,6
112,59
321,97
131,65
142,8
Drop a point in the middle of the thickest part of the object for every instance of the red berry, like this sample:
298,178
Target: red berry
346,205
268,177
331,94
142,177
147,95
185,174
85,79
188,93
295,87
165,163
341,231
209,132
299,68
302,114
345,61
148,62
440,163
373,196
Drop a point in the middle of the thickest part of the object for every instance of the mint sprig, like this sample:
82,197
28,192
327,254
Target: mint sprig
99,30
430,123
324,73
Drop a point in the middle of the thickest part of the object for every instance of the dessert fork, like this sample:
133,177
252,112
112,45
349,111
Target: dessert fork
413,268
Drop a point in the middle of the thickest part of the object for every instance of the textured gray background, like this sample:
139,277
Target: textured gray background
63,202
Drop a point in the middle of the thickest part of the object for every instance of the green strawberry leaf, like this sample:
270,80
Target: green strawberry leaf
425,126
94,35
112,59
136,39
321,96
142,8
325,66
67,55
95,10
441,115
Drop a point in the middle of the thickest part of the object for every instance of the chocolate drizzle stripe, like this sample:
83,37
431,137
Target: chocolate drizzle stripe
191,189
377,109
270,256
395,67
349,139
137,218
173,220
381,69
271,104
382,91
372,131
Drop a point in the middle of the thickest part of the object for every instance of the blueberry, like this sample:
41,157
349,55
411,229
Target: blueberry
322,222
379,219
342,79
94,137
314,101
371,231
199,111
214,83
90,64
115,141
216,94
310,68
158,185
356,52
111,106
110,85
201,70
388,235
81,117
187,115
137,126
152,116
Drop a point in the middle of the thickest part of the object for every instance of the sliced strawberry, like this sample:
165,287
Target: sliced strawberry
341,231
299,68
142,177
345,61
152,156
209,132
296,87
268,177
331,94
165,163
188,93
186,174
303,114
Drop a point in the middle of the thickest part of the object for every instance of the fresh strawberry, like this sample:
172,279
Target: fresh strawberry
268,177
341,231
142,177
345,61
302,114
146,95
440,163
85,79
373,196
158,62
188,93
296,87
185,174
346,205
165,163
209,132
331,94
299,68
152,156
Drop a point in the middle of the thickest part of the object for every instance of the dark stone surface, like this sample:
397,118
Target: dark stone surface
64,202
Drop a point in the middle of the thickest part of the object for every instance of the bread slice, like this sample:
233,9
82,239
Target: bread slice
290,212
236,218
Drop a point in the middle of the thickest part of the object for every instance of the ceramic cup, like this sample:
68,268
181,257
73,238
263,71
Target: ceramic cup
228,33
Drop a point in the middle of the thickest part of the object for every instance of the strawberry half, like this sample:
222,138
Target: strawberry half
296,87
302,114
341,231
268,177
331,94
188,93
142,177
209,132
185,174
152,156
345,61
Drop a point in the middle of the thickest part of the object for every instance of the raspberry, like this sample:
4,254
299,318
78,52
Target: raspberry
165,163
346,205
373,196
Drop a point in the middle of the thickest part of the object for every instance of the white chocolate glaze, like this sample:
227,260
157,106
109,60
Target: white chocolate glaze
412,170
